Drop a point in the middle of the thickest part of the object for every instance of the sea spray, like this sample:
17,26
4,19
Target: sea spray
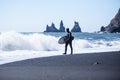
11,41
16,46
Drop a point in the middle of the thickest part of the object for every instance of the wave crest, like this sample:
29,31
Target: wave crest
16,41
10,41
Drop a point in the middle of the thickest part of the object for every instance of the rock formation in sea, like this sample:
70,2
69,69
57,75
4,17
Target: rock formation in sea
76,27
102,29
62,28
114,25
51,28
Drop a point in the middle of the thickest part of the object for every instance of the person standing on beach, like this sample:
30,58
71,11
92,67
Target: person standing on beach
69,41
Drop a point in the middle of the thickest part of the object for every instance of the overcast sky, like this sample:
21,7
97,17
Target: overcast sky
34,15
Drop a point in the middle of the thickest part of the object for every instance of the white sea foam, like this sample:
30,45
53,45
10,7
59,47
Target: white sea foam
16,46
10,41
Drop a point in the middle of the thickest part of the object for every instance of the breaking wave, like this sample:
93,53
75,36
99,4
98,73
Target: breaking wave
10,41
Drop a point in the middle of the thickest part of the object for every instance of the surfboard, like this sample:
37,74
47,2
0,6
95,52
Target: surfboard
62,40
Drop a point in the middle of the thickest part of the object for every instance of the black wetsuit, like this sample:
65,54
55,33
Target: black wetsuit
69,42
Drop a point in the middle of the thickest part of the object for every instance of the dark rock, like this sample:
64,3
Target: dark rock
62,28
76,27
114,25
51,28
102,29
95,63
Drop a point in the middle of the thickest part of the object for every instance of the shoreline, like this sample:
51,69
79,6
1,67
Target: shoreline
89,66
40,55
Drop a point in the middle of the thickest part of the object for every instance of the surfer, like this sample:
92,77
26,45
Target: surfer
69,41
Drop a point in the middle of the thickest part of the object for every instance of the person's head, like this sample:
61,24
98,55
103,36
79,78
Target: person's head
67,29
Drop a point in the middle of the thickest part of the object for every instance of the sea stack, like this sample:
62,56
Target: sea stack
51,28
62,28
114,25
76,27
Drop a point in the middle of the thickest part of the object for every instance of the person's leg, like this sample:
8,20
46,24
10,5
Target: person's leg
66,44
71,47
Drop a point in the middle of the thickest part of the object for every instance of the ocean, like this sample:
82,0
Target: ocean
16,46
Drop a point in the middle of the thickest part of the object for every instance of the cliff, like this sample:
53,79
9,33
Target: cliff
114,25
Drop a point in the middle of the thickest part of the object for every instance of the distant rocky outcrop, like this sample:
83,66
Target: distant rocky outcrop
114,25
62,28
76,27
51,28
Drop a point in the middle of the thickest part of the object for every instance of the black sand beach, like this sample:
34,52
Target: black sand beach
90,66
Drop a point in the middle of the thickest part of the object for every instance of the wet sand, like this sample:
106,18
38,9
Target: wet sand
89,66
